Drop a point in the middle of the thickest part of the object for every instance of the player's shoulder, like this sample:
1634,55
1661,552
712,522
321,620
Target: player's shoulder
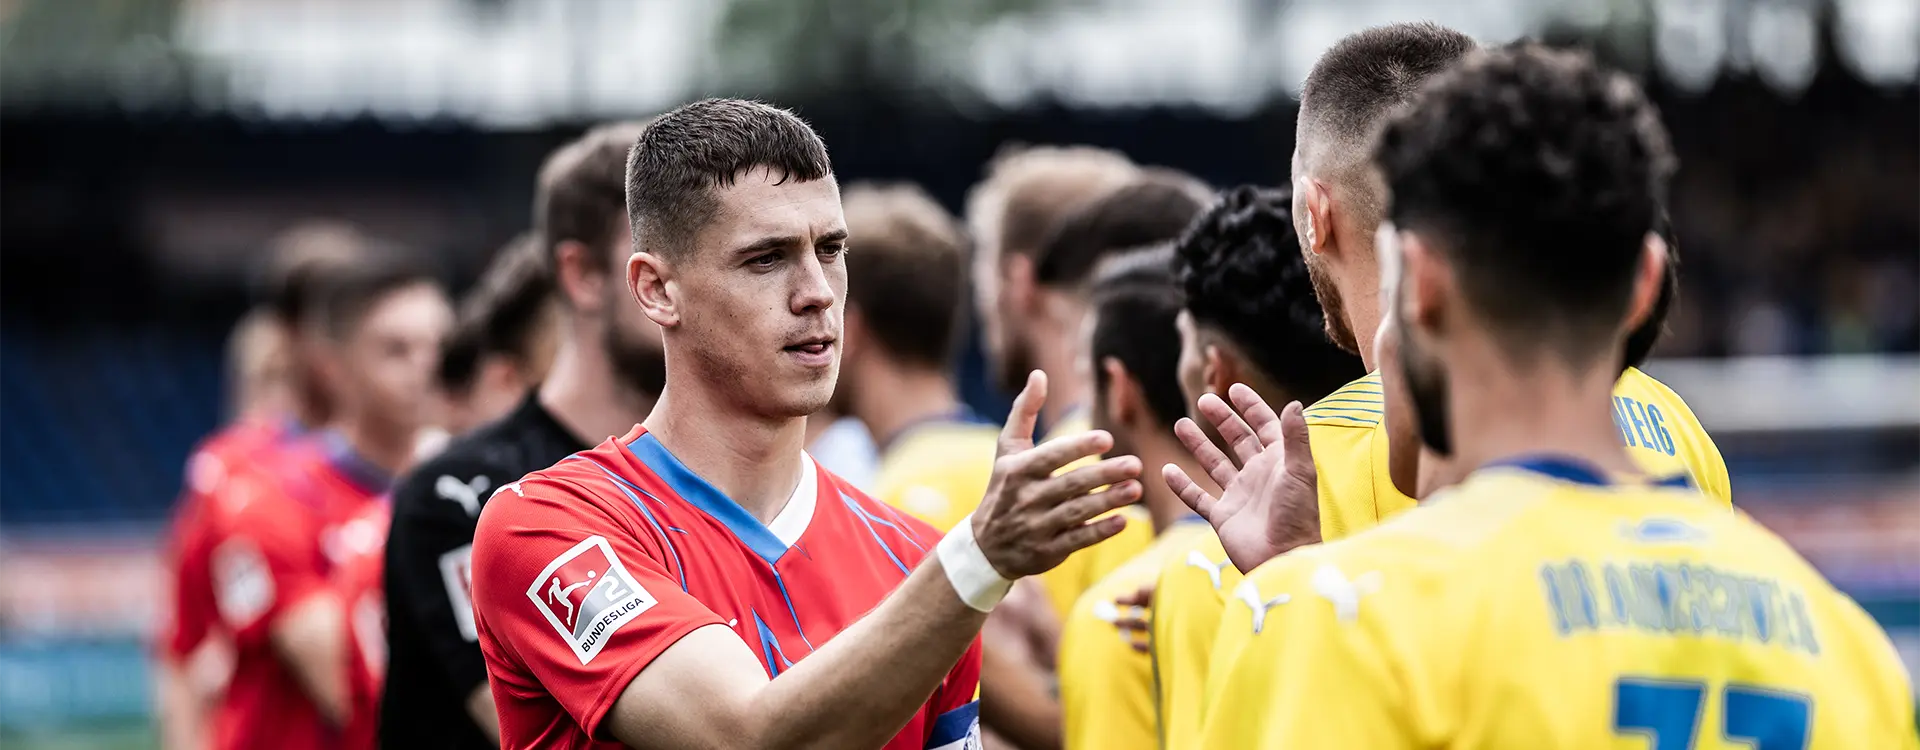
838,492
459,478
1358,404
580,488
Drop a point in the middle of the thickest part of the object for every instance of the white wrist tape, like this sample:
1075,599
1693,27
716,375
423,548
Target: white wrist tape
972,577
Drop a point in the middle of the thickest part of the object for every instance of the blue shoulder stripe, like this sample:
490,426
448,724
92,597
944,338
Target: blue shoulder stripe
1311,417
628,488
868,520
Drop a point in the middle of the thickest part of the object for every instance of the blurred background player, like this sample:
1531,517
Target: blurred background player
195,653
1596,566
1152,206
737,223
906,301
260,370
377,327
509,317
1133,345
608,368
1248,316
1011,214
903,320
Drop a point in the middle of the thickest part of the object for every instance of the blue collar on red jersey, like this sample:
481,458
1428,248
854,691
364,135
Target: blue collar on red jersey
363,473
1569,469
708,498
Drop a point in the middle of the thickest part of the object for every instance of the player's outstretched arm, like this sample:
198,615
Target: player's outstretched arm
310,639
1272,503
857,691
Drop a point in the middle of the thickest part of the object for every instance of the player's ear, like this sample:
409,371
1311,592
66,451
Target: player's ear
1219,370
1122,395
650,280
577,271
1016,282
1425,282
1647,280
1316,213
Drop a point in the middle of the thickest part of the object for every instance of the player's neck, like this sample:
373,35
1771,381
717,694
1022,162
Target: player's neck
1065,391
891,399
1363,316
1163,507
585,396
391,450
1501,412
753,460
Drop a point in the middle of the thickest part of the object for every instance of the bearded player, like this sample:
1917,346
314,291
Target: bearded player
606,371
1561,594
720,564
1338,469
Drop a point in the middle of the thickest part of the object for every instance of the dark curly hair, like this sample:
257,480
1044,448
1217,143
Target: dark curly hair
1240,268
1539,174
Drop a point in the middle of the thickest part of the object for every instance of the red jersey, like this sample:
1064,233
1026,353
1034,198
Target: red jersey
189,615
275,548
586,571
358,579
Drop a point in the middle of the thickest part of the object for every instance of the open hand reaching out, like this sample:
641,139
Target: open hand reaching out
1270,504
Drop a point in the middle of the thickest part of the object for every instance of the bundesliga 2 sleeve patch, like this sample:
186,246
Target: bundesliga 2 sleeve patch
586,594
242,583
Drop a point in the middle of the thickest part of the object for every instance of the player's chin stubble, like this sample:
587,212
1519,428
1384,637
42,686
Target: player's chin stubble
1332,307
1426,382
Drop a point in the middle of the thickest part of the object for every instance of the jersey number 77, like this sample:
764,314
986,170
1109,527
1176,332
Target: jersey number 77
1667,713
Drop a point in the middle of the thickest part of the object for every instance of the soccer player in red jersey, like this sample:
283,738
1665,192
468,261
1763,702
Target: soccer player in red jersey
700,582
284,537
357,581
277,398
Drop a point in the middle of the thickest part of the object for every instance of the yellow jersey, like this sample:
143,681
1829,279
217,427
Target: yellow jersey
938,470
1348,435
1186,612
1106,687
1664,437
1073,576
1536,605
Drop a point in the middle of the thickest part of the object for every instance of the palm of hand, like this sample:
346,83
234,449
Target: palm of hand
1270,503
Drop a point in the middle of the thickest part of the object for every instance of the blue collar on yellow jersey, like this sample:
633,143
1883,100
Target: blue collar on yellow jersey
1569,469
961,414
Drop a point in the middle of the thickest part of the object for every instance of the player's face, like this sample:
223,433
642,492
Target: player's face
1332,306
630,339
1009,350
390,357
1423,378
760,296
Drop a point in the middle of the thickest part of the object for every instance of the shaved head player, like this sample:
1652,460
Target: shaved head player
735,594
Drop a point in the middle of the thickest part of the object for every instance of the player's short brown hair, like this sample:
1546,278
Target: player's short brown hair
686,153
509,308
1154,208
906,270
1353,88
344,298
581,191
299,262
1030,189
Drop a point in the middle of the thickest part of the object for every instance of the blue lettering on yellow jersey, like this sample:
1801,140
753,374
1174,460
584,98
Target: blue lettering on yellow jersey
1538,605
